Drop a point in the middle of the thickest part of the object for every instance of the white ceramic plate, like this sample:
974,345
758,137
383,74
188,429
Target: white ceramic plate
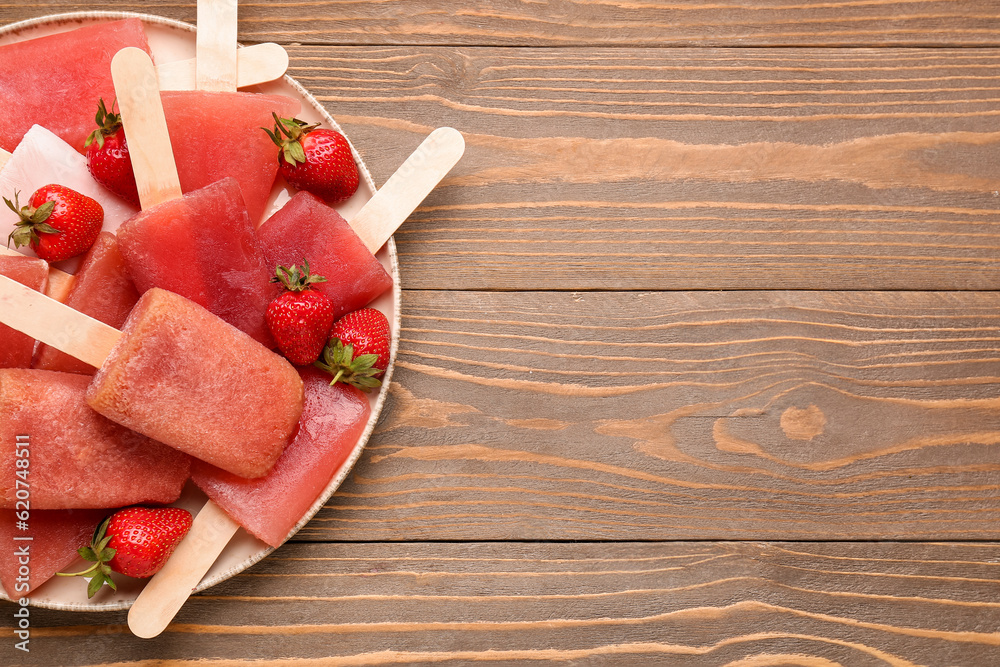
172,40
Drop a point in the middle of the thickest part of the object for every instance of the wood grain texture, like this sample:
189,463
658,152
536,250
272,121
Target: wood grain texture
736,604
732,415
590,23
633,169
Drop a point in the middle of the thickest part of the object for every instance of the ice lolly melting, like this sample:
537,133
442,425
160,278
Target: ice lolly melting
200,245
176,373
57,79
79,459
333,419
102,289
15,347
55,536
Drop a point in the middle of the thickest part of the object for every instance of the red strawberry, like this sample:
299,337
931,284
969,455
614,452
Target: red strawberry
314,159
58,223
300,319
358,352
135,541
107,156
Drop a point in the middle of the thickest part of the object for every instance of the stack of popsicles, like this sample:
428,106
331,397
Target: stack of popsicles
167,314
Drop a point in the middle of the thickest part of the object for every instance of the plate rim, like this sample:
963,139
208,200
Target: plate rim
345,468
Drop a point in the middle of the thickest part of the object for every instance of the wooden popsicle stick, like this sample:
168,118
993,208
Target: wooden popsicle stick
407,187
163,596
216,45
54,323
59,283
255,64
4,156
145,127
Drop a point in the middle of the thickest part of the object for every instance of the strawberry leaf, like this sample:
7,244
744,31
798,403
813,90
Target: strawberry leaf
43,212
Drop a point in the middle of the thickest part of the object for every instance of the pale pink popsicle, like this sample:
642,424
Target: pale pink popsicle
56,80
15,347
202,246
42,158
216,134
333,419
307,228
79,459
102,289
186,378
55,537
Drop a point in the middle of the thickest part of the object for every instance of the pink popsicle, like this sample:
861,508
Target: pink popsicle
78,458
15,347
306,228
218,134
103,290
333,417
184,377
57,79
202,246
55,537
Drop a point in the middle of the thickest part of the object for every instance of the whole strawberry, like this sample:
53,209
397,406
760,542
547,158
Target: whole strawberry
358,351
135,541
300,319
315,159
58,223
108,159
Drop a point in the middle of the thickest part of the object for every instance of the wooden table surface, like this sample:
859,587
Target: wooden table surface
700,344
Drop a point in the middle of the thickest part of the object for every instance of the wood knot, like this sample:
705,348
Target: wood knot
803,423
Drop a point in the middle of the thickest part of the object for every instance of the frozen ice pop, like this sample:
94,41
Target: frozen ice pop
186,378
176,373
102,289
57,79
15,347
333,419
218,134
306,228
79,459
202,246
55,535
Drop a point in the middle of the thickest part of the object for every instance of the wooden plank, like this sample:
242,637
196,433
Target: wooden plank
592,603
636,169
505,23
733,415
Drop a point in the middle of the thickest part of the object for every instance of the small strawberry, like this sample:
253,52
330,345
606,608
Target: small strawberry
108,159
358,351
300,319
135,541
314,159
58,223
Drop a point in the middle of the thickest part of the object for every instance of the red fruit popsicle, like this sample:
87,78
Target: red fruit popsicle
307,228
202,246
79,459
217,134
57,79
55,537
333,418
